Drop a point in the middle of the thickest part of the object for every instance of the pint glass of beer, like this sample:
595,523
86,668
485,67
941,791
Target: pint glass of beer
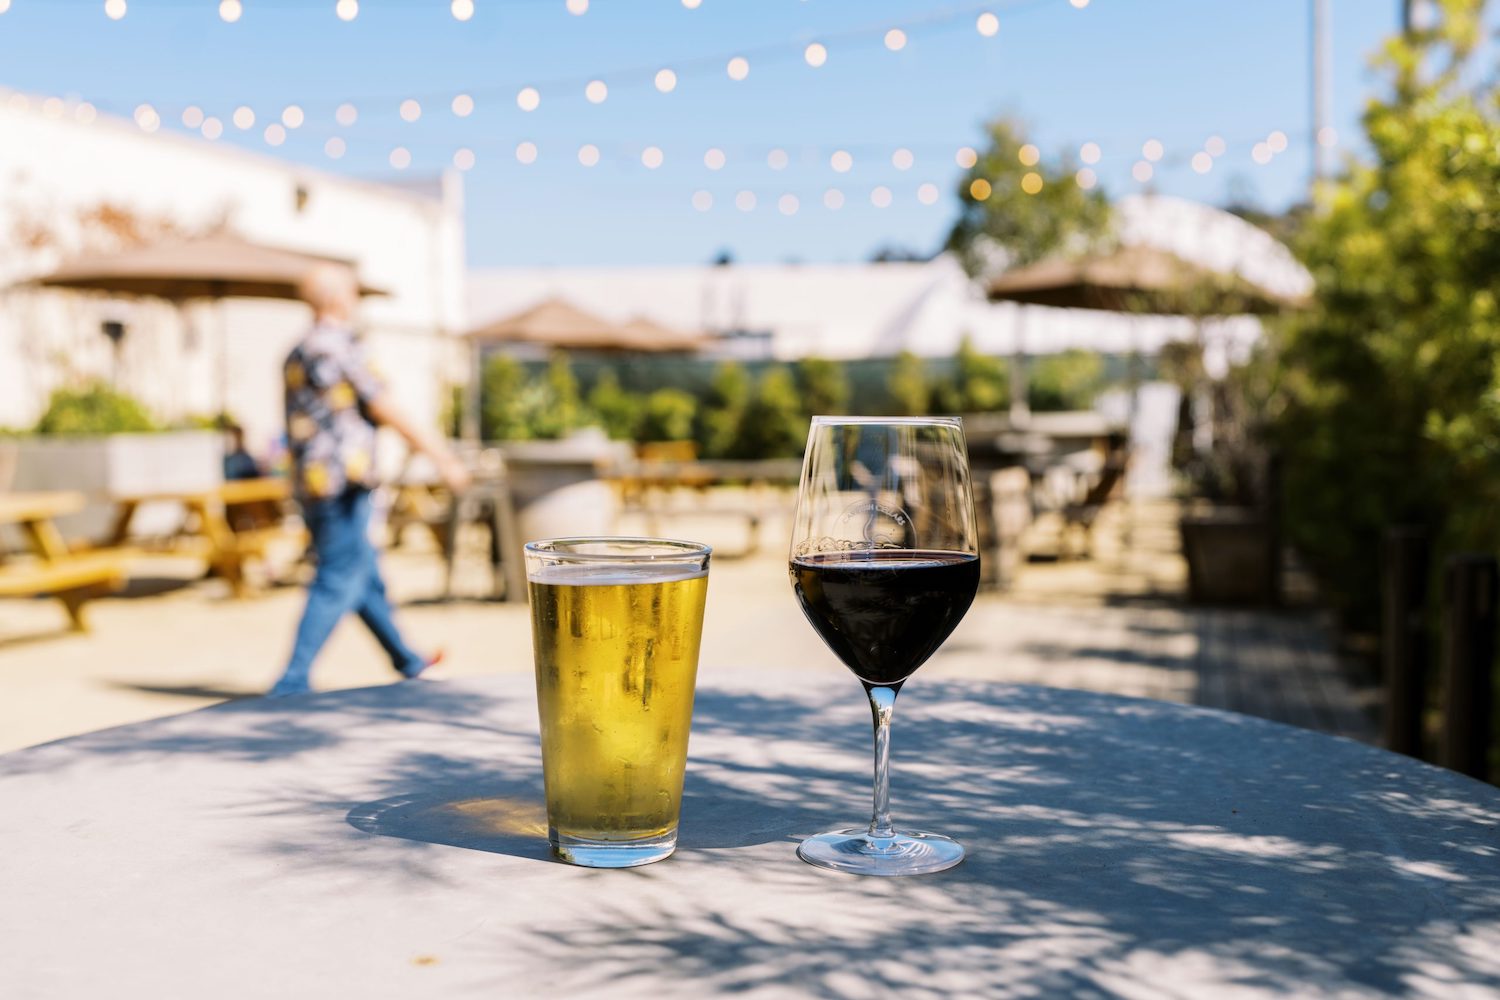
616,624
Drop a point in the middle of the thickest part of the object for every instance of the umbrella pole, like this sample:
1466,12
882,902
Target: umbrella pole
471,427
1020,383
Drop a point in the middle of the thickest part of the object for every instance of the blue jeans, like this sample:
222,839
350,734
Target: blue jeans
348,579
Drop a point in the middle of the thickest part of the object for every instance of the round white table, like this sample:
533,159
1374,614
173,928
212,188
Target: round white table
389,842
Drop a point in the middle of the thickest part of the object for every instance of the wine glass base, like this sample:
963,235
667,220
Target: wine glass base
858,853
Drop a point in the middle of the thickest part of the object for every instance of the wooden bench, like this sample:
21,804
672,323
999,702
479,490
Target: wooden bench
54,570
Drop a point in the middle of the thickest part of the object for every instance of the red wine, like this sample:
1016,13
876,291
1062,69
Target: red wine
885,611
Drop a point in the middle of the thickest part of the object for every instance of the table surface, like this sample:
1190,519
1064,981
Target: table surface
16,508
388,842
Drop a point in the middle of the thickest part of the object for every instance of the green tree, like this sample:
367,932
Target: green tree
668,415
618,410
1024,204
823,386
504,392
1389,407
979,384
1066,381
906,384
773,425
728,398
558,409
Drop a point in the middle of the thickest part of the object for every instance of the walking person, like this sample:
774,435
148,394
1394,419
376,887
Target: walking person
334,403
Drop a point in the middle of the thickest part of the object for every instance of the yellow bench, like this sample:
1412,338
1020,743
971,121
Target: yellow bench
72,579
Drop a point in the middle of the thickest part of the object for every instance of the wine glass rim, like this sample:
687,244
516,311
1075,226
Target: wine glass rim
916,421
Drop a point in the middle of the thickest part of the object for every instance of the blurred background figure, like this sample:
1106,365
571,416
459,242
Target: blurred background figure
334,403
238,462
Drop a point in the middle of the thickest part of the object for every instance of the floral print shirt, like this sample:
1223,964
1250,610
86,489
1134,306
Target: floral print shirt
330,434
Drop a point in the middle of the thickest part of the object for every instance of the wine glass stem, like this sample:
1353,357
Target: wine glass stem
882,705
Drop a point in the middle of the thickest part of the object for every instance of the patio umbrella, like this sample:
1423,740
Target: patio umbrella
557,324
644,334
211,267
219,266
1138,280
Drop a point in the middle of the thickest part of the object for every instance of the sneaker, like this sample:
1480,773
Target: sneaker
412,673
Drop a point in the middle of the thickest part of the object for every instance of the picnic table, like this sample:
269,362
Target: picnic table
54,569
236,521
647,486
390,842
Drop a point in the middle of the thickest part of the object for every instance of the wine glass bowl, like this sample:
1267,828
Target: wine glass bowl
884,562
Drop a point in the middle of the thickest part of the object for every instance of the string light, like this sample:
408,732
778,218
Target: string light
703,201
114,9
966,157
230,10
292,116
738,68
275,135
53,107
881,197
577,8
902,159
1328,137
588,154
596,92
714,159
463,159
192,116
833,199
1142,171
652,157
666,81
1029,155
692,4
816,54
1261,153
841,161
1202,163
745,201
400,157
244,118
1152,150
895,39
777,159
1086,179
788,204
147,119
526,152
85,112
1032,182
347,10
980,189
1090,152
927,193
462,11
346,115
410,110
334,148
212,128
1215,146
4,6
462,106
1277,141
529,99
1080,4
987,25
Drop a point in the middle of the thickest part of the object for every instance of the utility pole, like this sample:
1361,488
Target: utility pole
1322,87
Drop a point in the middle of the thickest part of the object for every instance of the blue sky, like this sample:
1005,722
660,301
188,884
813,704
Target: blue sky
1116,72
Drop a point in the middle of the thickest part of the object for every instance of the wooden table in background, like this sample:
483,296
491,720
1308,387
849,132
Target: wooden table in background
238,521
55,570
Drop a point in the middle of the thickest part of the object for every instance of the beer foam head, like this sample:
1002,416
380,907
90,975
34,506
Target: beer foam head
603,574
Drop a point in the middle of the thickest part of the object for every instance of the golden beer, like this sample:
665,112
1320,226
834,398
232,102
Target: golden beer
616,647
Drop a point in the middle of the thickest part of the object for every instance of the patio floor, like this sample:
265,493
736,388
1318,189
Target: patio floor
1113,623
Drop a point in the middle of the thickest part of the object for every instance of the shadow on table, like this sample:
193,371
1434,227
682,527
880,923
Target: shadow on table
1116,846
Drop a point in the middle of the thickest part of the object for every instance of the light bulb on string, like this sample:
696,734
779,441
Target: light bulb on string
980,189
1328,137
85,112
987,24
346,115
1261,153
895,39
114,9
347,10
292,116
652,157
1142,171
464,159
146,118
841,161
815,54
703,201
777,159
1029,155
927,193
192,116
1086,179
400,158
1202,163
212,128
788,204
1277,141
1032,182
1090,152
275,134
588,154
231,11
462,106
577,8
902,159
833,199
410,110
526,152
881,197
596,91
244,118
528,99
1152,150
462,10
966,157
666,81
692,4
4,6
745,201
1215,146
714,159
334,148
738,68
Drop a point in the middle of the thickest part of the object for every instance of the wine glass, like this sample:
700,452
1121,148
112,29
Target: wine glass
885,562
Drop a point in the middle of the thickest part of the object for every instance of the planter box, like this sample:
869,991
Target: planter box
104,468
1231,557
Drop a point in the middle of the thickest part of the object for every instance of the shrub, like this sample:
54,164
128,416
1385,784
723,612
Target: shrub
668,415
95,408
1066,381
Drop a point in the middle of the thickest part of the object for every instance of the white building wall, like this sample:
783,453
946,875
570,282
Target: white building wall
54,166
